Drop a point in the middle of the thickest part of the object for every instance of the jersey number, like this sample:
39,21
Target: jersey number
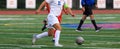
59,3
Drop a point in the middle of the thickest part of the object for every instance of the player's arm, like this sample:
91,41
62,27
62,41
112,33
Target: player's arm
95,3
69,10
83,8
83,5
41,6
65,11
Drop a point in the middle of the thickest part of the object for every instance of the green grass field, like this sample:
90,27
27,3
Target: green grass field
16,33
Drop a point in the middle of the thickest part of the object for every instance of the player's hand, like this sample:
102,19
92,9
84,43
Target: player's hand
83,9
37,12
73,15
96,6
66,13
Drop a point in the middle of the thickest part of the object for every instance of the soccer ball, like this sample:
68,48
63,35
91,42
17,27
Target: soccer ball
79,40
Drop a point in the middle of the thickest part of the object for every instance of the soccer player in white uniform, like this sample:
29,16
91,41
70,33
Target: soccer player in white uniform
55,10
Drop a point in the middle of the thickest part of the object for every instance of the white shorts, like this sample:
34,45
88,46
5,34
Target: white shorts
52,19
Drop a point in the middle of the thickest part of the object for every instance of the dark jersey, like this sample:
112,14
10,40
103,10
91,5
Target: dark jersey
88,2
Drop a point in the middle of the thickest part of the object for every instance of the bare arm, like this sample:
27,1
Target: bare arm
70,12
96,5
41,6
83,8
64,10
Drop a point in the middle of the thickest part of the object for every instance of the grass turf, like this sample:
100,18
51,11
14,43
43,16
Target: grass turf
16,33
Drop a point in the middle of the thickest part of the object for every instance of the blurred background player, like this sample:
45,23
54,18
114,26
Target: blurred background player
55,28
87,6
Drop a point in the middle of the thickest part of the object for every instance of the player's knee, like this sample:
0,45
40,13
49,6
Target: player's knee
49,34
59,28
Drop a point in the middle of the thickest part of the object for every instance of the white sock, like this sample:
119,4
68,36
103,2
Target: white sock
44,34
57,36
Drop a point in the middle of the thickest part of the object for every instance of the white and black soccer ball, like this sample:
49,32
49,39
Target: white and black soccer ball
79,40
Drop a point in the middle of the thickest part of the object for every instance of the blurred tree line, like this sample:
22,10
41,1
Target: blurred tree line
21,4
2,4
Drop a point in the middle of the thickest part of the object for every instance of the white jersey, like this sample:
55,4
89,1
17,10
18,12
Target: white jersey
56,6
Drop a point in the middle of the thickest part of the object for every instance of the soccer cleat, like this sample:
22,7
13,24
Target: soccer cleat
58,45
34,39
98,29
78,30
53,40
44,27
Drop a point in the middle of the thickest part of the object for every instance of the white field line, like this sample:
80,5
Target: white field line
113,21
16,23
99,48
102,35
6,16
18,33
65,34
95,35
98,42
10,48
101,43
23,46
40,46
95,18
95,42
91,44
17,18
22,23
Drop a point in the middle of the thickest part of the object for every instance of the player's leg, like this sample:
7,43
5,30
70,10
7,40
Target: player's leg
38,36
45,24
44,34
53,40
52,32
85,14
57,34
94,23
60,20
80,23
53,22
